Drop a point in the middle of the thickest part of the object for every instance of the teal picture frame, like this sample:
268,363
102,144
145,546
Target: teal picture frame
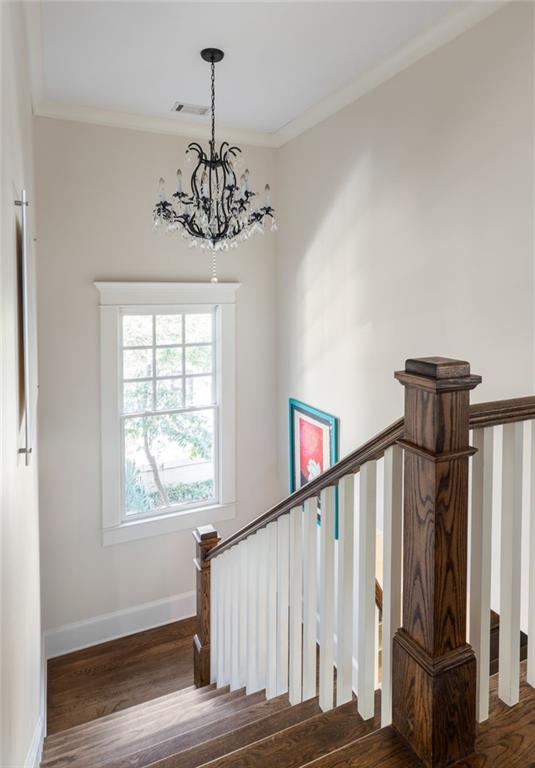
326,421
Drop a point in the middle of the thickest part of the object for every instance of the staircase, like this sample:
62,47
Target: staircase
276,662
194,727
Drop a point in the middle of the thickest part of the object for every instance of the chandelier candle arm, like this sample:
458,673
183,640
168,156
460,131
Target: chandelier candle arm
219,212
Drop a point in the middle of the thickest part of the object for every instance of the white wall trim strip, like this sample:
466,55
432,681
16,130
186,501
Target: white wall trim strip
33,758
109,626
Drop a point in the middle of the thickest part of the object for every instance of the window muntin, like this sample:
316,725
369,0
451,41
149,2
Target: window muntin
169,414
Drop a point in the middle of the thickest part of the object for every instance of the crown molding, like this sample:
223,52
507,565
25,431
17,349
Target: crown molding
114,119
417,49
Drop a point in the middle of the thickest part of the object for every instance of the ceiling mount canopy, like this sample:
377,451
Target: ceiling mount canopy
212,55
221,210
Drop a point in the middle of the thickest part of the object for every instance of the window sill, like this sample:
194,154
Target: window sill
156,526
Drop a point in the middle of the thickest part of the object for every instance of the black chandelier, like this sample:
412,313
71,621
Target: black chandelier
220,211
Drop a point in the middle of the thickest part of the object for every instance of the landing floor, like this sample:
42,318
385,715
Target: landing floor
111,676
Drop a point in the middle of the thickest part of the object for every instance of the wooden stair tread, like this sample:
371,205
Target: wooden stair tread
145,716
235,736
381,749
505,740
100,747
186,697
299,744
146,722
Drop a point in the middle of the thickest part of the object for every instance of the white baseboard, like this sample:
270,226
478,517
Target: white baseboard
109,626
33,758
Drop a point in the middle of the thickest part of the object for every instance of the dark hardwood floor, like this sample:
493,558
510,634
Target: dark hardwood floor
97,681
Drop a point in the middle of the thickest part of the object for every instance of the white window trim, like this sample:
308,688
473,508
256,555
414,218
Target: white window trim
113,298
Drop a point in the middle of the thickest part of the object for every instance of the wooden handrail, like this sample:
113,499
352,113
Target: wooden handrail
488,414
351,463
498,412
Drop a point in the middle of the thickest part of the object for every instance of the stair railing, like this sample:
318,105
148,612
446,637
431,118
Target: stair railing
280,591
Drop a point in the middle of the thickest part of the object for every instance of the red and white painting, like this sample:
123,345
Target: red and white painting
313,443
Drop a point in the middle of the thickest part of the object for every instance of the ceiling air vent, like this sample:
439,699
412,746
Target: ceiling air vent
189,109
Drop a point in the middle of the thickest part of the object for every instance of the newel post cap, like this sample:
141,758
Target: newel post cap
206,537
204,532
437,374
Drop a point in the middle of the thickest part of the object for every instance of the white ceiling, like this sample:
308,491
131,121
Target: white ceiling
281,59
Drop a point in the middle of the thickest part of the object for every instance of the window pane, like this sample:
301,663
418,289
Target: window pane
198,328
168,329
168,460
137,330
199,359
137,363
137,396
169,361
169,394
199,391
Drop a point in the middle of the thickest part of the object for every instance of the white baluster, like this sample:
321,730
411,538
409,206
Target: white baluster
271,671
392,558
480,569
234,561
531,568
261,596
214,618
310,548
344,632
326,676
283,596
296,604
227,627
510,562
252,617
220,585
376,641
366,591
243,598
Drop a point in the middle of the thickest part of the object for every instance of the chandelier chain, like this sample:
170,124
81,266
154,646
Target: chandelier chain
213,109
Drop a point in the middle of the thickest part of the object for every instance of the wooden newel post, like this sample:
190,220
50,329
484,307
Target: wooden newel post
434,684
206,539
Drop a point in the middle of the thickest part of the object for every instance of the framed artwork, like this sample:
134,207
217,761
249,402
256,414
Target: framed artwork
313,443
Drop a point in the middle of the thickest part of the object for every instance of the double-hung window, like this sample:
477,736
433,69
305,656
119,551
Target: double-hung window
167,404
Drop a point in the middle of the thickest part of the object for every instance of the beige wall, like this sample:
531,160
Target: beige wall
21,702
406,230
96,188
